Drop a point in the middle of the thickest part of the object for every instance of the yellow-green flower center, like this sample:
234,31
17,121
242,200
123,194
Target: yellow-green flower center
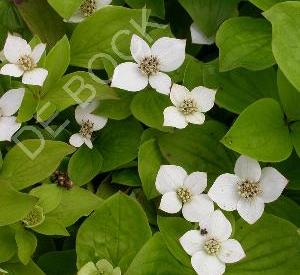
149,65
26,63
188,107
248,189
35,217
88,7
212,246
87,129
184,194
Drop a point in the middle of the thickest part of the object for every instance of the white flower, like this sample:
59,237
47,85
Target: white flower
210,247
86,9
248,190
189,106
165,55
23,61
89,124
199,37
101,267
10,103
182,191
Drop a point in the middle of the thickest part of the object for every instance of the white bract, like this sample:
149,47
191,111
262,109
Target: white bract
189,106
23,61
165,55
198,37
248,190
10,103
182,191
86,9
89,123
210,247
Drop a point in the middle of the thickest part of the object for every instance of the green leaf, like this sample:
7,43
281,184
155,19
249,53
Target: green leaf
259,130
295,135
58,262
148,106
91,41
84,165
49,33
155,258
106,189
10,18
56,63
116,232
128,177
51,226
8,246
118,143
72,89
116,108
198,73
286,38
289,168
149,153
172,229
289,97
17,269
26,242
28,107
65,8
31,161
157,7
14,205
267,4
198,149
50,196
209,14
75,203
285,208
240,88
272,247
245,42
1,160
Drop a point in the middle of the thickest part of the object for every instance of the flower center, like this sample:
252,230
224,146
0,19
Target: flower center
149,65
26,63
88,7
248,189
87,129
212,246
188,107
35,217
203,232
62,179
184,194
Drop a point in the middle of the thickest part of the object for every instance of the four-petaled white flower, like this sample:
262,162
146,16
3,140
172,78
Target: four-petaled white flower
86,9
199,37
182,191
248,190
23,61
189,106
89,123
10,103
165,55
210,247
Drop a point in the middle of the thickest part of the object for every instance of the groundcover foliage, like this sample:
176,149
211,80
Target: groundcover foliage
145,137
